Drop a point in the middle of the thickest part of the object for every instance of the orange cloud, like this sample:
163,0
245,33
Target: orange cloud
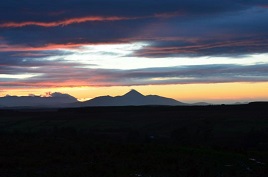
63,22
14,48
18,48
82,20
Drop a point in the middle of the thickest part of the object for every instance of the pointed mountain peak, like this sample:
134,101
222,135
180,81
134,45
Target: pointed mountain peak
133,93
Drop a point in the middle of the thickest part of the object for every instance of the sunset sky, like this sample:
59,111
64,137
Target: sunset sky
190,50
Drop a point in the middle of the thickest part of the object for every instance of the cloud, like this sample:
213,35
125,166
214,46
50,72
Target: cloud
231,48
46,9
55,77
62,22
226,22
49,47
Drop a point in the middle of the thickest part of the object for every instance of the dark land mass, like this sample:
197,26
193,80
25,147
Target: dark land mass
60,100
55,100
185,141
132,98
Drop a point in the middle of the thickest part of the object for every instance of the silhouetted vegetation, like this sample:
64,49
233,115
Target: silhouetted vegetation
204,141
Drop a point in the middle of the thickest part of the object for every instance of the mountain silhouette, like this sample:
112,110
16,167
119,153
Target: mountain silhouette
132,98
200,104
133,93
56,99
61,100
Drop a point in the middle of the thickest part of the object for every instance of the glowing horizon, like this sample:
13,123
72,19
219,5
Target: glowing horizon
211,93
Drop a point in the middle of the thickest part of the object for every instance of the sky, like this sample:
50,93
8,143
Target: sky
190,50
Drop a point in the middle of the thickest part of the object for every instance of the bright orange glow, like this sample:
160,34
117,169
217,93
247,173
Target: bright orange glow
213,93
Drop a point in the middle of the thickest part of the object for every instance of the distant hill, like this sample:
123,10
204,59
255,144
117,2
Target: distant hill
200,104
132,98
55,100
259,103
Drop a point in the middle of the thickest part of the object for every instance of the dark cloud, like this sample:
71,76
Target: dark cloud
41,23
32,31
233,48
46,10
53,77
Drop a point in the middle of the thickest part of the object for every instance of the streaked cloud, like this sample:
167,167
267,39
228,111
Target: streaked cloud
204,48
56,76
62,22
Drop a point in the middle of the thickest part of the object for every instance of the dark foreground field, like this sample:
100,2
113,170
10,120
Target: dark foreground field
205,141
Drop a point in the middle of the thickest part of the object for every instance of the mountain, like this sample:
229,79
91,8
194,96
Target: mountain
132,98
200,104
240,103
54,100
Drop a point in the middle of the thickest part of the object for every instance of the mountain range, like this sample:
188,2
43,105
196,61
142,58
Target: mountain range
54,100
132,98
60,100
